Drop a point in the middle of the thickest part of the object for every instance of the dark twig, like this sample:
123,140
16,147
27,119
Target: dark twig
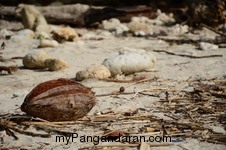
115,93
3,46
7,126
17,57
189,56
205,26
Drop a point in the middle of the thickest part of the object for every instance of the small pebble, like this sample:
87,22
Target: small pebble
207,46
48,43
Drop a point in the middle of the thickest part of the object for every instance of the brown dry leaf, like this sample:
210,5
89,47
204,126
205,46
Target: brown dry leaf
144,146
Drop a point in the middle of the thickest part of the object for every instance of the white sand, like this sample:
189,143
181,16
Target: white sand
83,53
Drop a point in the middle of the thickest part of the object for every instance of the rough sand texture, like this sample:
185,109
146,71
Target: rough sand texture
81,54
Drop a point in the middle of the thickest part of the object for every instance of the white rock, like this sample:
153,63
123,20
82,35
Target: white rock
43,35
54,64
114,25
31,17
179,29
162,18
35,59
207,46
104,33
62,34
93,71
4,33
43,28
130,62
24,34
140,19
110,24
218,129
140,28
48,43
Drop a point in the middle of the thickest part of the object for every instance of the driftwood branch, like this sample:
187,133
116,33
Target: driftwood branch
79,14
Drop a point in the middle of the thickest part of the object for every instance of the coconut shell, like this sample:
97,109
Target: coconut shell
59,100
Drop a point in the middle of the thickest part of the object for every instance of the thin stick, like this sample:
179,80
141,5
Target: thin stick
207,27
5,125
154,90
17,57
124,145
114,93
189,56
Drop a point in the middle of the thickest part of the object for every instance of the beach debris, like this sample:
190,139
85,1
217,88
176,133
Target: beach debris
179,29
63,34
9,69
206,12
39,59
48,43
3,46
59,100
23,34
43,35
4,33
185,55
35,59
54,64
162,18
31,17
139,27
114,25
207,46
128,62
93,71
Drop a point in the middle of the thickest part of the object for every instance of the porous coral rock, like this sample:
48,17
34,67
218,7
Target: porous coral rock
54,64
93,71
35,59
130,62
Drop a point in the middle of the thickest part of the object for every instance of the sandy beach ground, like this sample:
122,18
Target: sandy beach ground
84,52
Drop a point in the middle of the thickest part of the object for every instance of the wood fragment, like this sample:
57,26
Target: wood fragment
123,145
3,46
212,29
6,125
189,56
9,69
17,57
114,93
